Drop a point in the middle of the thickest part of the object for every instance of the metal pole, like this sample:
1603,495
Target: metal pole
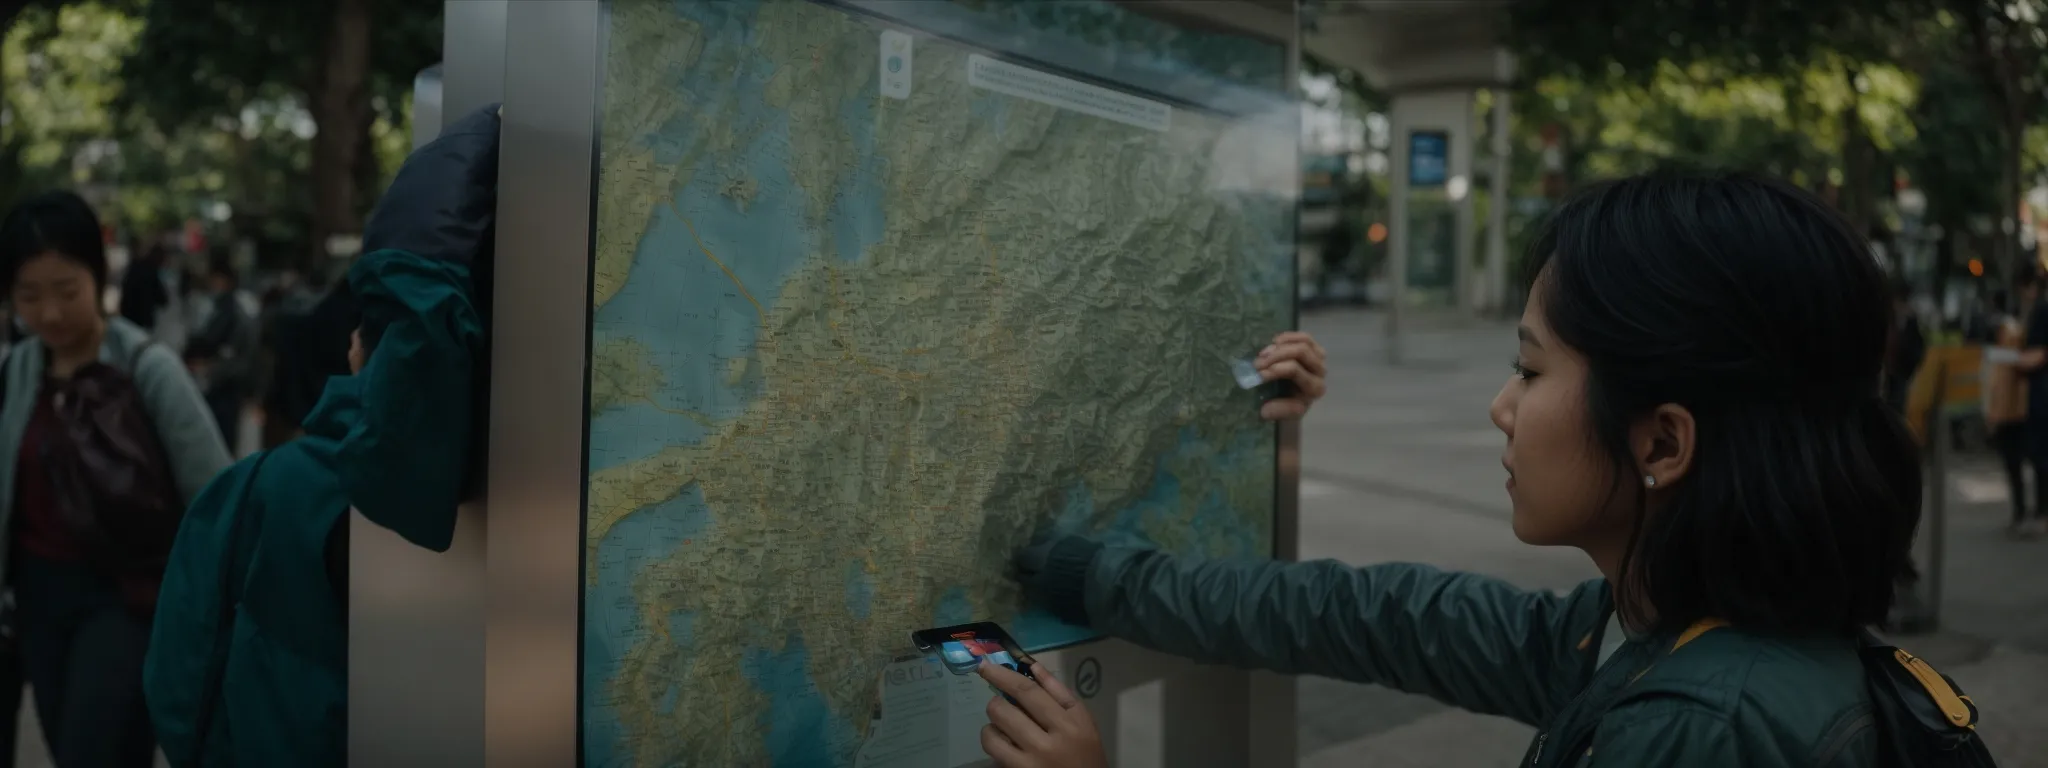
1919,603
1398,233
1937,517
1496,294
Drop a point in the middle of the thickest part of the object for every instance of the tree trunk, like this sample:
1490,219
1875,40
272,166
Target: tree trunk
1997,55
2007,248
369,175
1859,163
340,103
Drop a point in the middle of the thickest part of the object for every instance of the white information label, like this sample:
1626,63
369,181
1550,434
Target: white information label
895,64
1074,95
927,718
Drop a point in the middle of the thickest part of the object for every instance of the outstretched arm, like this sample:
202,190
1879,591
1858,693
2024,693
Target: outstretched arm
1468,640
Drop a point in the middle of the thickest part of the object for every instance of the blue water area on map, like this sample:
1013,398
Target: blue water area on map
856,215
954,608
860,590
802,731
611,615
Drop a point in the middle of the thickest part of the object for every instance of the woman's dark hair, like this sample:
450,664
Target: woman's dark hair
53,222
1756,307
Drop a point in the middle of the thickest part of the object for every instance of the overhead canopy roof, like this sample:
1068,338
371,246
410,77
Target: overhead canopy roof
1399,45
1411,44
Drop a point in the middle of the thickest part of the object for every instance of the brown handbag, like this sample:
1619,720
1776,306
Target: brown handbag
112,478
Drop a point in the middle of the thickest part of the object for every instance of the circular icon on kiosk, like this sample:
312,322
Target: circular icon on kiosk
1088,678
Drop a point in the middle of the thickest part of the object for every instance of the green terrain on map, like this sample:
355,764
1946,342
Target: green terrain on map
850,352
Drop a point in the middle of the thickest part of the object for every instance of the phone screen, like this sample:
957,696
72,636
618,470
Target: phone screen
962,647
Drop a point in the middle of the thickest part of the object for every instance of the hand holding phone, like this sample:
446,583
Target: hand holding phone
1037,721
964,647
1292,370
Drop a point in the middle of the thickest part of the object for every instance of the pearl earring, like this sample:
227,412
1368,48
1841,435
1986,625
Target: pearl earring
1649,481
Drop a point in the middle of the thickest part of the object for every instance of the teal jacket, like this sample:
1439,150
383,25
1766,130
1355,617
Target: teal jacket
248,659
1725,698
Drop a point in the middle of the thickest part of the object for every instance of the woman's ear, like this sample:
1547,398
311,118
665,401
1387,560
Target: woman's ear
1663,443
357,358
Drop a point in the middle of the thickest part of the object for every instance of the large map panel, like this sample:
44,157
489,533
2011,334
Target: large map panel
863,325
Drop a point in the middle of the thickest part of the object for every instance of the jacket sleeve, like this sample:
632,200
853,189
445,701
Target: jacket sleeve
406,456
405,463
191,439
1467,640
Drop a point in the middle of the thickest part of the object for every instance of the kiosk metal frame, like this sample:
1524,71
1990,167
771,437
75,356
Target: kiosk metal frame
472,657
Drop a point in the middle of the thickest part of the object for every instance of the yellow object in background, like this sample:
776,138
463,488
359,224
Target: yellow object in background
1954,375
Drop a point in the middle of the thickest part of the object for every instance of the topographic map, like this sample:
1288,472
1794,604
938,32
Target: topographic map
852,349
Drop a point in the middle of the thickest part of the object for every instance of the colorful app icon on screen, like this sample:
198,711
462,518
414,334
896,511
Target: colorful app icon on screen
957,655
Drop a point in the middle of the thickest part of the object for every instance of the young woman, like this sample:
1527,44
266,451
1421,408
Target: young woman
1695,406
82,639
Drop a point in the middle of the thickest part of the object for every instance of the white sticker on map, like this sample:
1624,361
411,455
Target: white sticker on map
926,717
1068,94
895,64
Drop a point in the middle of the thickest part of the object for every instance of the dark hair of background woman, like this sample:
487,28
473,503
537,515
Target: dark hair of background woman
52,222
1755,306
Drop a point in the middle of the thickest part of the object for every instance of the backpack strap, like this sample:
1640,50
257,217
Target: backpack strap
1895,664
135,356
1953,704
6,369
234,572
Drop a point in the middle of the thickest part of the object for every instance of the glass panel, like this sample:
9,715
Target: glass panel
877,298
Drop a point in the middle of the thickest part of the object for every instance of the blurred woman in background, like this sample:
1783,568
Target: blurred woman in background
84,603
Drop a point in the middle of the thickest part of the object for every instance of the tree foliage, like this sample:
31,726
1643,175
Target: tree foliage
1952,158
1833,93
240,66
166,110
1593,39
199,59
58,65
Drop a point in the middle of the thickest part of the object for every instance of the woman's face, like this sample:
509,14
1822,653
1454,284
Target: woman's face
1558,481
58,300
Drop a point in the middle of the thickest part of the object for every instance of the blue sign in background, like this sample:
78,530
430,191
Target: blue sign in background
1429,158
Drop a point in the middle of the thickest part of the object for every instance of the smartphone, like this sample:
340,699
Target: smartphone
962,647
1246,371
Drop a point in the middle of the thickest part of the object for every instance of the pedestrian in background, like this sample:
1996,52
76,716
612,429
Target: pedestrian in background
84,573
308,342
224,354
2034,363
143,293
2005,400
